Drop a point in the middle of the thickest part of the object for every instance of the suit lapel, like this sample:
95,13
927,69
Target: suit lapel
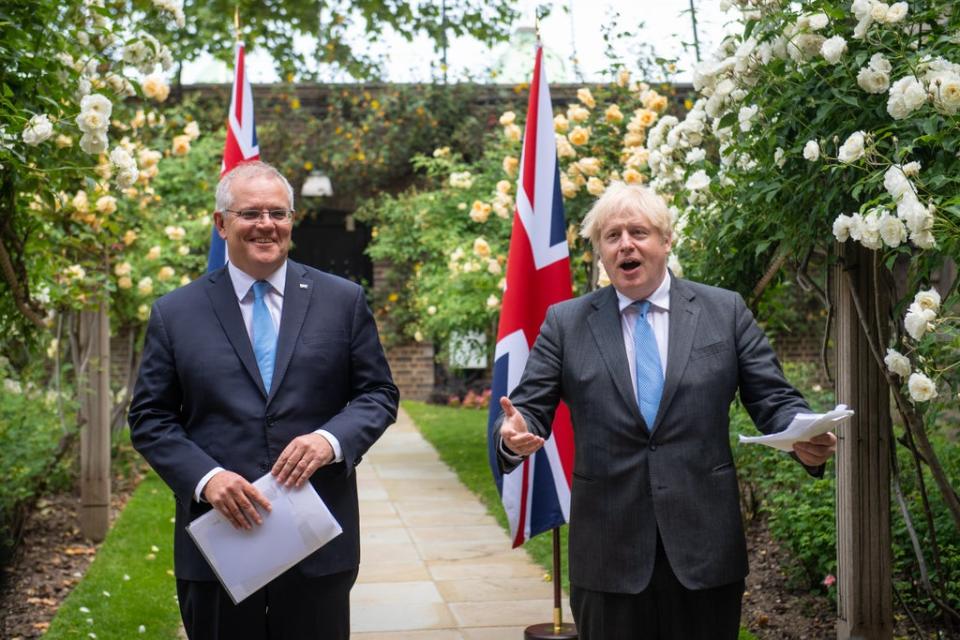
683,327
225,306
608,333
296,300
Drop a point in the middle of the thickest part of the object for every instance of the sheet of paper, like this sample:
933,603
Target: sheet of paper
803,427
298,524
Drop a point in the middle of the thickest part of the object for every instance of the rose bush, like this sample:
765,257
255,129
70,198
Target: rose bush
828,123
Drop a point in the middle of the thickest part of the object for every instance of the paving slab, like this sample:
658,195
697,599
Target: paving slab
434,564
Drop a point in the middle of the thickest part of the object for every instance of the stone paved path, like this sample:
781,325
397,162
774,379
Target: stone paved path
434,565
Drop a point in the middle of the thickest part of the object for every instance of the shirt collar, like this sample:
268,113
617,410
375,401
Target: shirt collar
242,282
659,298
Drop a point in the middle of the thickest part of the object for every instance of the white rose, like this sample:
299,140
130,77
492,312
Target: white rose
897,363
879,63
921,388
746,115
895,182
892,230
923,239
97,102
852,148
918,321
92,122
911,169
818,21
833,49
696,155
856,227
929,299
873,81
37,130
841,227
906,96
699,180
811,151
870,231
896,12
945,93
779,157
94,143
878,11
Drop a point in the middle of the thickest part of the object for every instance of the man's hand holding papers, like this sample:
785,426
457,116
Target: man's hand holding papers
808,435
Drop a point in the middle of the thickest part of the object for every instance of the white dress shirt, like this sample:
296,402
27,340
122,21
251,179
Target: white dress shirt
243,287
658,315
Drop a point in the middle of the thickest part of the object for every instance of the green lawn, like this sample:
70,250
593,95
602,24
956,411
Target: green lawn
460,437
130,583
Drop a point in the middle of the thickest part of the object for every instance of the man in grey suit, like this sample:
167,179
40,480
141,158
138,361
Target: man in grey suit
649,368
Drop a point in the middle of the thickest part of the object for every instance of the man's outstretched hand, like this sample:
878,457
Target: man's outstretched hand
514,432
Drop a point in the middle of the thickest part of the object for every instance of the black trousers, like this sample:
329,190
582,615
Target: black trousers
665,610
291,607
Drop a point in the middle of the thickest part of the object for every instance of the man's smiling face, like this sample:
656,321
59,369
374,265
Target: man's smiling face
634,253
256,248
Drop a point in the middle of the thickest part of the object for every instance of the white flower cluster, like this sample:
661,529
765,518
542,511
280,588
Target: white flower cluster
127,166
671,144
869,12
93,121
920,319
37,130
461,179
875,77
174,8
146,52
942,79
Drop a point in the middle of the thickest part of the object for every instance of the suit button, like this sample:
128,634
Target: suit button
264,467
653,446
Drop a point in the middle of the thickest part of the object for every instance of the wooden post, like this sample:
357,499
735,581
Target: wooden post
95,434
865,589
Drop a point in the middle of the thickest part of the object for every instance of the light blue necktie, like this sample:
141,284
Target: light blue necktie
649,372
264,333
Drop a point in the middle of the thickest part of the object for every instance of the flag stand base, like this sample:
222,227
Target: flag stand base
548,631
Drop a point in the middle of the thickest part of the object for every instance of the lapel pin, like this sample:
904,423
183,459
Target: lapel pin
304,285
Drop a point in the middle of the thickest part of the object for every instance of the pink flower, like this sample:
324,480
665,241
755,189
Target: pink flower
829,581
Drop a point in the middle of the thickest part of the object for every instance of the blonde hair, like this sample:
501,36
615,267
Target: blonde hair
622,198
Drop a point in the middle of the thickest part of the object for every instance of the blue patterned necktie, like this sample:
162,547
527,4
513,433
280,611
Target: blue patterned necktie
264,333
649,371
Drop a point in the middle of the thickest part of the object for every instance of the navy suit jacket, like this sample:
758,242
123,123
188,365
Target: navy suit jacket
199,401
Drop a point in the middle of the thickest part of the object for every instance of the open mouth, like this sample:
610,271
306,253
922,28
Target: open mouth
629,266
262,240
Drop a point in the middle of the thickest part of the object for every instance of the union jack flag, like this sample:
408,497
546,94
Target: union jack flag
241,144
535,495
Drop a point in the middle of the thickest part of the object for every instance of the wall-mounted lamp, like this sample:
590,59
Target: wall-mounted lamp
316,185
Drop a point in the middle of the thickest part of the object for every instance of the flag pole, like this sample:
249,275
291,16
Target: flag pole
236,23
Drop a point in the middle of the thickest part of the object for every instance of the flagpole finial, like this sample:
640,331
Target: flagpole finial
236,22
536,27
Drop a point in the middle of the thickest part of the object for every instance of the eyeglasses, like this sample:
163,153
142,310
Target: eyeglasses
253,215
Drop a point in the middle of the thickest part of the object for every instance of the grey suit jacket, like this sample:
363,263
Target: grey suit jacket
679,477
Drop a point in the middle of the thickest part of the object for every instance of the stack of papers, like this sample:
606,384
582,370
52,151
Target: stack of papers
803,427
244,560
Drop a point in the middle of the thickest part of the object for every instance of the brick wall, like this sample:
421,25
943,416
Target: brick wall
412,367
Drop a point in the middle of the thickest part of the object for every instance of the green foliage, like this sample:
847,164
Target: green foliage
278,26
30,432
130,583
445,240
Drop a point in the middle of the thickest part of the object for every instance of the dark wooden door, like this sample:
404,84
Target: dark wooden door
331,241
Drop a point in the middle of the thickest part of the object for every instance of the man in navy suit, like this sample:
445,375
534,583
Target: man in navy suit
262,366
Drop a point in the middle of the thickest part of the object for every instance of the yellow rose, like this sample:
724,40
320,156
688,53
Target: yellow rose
560,123
658,103
129,237
613,114
441,152
493,301
576,113
192,130
632,176
493,267
579,136
634,139
638,158
154,253
184,280
510,165
106,205
64,141
645,117
512,133
568,187
181,145
80,202
481,248
589,166
623,78
480,211
122,268
145,286
165,274
504,186
143,312
508,118
564,148
155,87
124,282
586,97
183,250
595,186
